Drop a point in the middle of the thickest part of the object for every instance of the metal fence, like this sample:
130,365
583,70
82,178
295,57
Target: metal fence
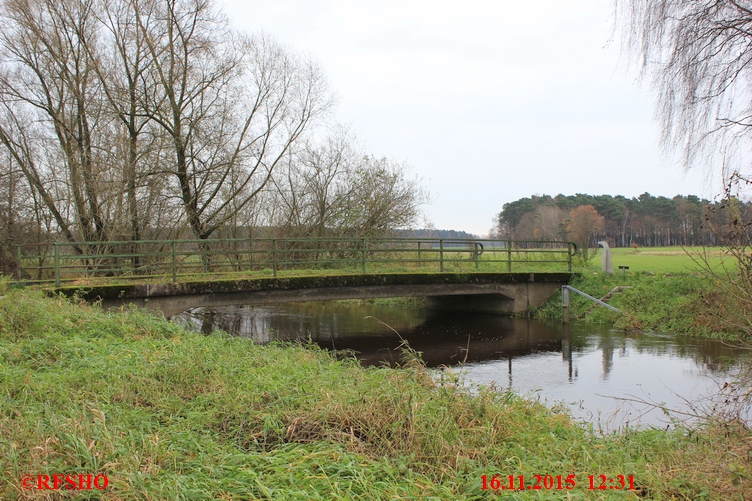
174,259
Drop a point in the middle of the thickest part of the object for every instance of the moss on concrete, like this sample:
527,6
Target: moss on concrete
121,291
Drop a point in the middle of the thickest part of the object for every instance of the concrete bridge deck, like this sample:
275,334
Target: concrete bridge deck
504,293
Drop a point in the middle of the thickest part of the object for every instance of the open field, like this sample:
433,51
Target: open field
170,414
662,259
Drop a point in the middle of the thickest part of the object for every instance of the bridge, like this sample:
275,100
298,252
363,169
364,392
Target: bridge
503,276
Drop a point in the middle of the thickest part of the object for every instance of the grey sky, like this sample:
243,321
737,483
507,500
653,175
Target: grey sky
488,100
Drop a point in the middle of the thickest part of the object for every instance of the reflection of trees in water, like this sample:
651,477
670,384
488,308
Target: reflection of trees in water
253,323
449,339
714,356
443,338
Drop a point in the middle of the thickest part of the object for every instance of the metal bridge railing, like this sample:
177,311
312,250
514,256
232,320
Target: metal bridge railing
185,259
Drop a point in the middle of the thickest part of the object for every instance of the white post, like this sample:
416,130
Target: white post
606,265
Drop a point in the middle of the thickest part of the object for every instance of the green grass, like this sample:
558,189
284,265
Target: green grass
661,259
684,304
170,414
670,292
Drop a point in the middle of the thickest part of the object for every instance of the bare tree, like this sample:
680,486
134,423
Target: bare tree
381,196
310,189
333,187
53,114
697,55
133,117
549,222
119,112
232,107
125,62
583,225
9,220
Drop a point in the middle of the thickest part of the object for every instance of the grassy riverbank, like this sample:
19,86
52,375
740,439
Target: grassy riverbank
679,304
169,414
666,291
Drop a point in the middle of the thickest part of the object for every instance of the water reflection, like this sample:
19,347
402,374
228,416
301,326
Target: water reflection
375,333
597,372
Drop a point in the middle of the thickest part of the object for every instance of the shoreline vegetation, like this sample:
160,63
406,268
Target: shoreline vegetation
166,413
668,290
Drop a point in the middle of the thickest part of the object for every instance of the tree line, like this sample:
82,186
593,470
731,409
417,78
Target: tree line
142,119
645,221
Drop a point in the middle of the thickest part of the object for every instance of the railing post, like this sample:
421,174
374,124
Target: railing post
250,254
274,257
569,257
509,256
283,250
565,304
57,264
476,253
363,257
174,262
420,263
441,255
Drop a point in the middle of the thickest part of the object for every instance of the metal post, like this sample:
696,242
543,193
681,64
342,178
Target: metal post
441,255
566,350
565,304
363,257
174,262
274,256
570,253
57,264
476,253
250,254
509,256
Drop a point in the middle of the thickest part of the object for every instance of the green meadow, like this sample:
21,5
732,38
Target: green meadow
664,259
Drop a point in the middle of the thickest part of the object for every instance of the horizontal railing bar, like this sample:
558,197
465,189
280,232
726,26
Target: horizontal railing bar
142,259
323,239
598,301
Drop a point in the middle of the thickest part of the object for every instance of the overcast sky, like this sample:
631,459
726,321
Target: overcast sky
488,100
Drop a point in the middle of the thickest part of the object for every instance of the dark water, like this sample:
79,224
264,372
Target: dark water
603,376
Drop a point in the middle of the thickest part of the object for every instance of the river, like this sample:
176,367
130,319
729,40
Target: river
605,377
